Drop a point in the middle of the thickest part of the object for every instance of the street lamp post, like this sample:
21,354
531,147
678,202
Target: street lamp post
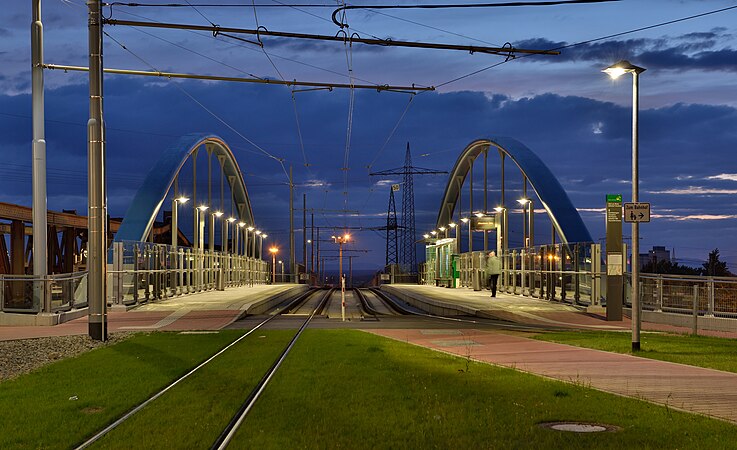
273,251
615,71
225,233
217,214
468,221
340,240
457,244
200,211
281,266
175,220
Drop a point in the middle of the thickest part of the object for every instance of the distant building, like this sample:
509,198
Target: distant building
657,254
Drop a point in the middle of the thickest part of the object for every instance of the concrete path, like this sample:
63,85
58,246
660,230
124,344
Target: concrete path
705,391
212,310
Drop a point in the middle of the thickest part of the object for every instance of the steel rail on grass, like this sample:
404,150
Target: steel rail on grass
133,411
229,432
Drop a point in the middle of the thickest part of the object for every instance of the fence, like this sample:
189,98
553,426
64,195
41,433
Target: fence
712,296
569,273
143,272
137,272
52,293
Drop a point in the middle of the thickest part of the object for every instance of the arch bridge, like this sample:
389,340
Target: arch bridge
527,269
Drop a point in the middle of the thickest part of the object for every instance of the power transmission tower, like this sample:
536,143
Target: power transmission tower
408,242
391,230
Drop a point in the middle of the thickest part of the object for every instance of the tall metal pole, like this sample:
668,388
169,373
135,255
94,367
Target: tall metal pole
97,214
342,281
312,243
174,222
470,208
304,231
486,203
38,149
292,258
636,316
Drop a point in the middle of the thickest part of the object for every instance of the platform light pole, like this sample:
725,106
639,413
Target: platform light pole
253,242
273,251
615,71
216,214
175,220
340,240
228,221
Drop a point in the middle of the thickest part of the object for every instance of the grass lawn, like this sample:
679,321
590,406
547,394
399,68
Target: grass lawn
348,389
337,389
39,410
702,351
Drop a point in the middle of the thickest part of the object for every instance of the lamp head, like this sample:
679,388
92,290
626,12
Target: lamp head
264,236
479,214
217,213
203,208
523,201
499,209
274,250
181,200
231,219
442,228
620,68
452,224
464,219
249,228
426,236
258,232
433,232
241,224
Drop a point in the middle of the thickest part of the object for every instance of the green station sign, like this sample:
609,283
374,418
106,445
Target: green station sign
614,198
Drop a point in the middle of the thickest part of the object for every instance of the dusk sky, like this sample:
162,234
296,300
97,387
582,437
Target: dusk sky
562,107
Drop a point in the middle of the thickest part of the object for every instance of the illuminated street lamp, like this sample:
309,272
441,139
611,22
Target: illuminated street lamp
529,221
238,238
273,251
442,229
456,236
175,219
253,241
615,71
217,214
281,278
201,226
229,221
340,240
470,237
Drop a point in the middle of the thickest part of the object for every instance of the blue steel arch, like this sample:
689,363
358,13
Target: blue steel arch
142,212
566,219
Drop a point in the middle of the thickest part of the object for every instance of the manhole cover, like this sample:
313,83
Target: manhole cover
578,427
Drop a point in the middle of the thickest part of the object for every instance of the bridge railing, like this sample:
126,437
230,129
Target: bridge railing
711,296
141,272
570,273
51,293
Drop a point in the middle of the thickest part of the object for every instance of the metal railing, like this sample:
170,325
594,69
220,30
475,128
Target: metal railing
51,293
711,296
569,273
143,272
138,272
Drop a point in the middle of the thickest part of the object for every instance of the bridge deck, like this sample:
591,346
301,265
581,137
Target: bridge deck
211,310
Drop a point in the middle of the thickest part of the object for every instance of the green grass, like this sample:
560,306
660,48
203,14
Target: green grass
702,351
193,414
337,389
36,410
347,389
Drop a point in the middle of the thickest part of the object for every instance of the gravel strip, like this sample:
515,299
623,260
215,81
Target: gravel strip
25,355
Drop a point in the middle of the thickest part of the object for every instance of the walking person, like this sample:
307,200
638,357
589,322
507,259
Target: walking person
493,269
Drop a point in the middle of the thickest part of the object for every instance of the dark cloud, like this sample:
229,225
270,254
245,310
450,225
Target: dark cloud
586,143
688,51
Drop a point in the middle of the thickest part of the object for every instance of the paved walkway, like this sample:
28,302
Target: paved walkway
705,391
212,310
526,310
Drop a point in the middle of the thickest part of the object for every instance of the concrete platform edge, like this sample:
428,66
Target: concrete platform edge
267,303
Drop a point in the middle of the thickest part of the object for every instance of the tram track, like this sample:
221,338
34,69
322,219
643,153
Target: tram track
277,312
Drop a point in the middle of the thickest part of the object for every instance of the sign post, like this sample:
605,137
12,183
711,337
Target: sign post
614,258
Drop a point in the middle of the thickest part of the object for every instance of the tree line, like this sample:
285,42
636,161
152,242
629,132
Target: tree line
713,267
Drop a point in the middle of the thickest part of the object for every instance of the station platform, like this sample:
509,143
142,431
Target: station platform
511,308
212,310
